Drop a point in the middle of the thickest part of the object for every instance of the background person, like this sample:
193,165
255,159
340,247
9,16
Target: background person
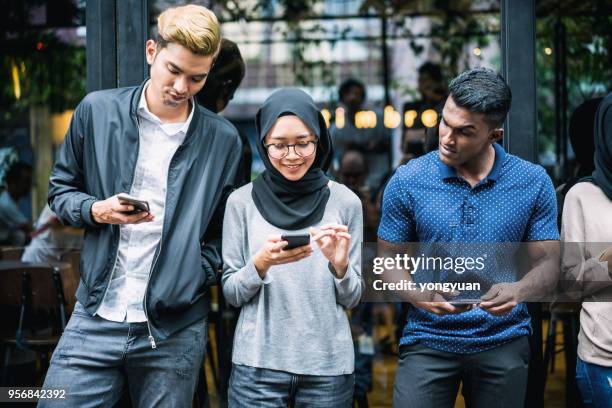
587,265
14,225
374,142
221,85
51,239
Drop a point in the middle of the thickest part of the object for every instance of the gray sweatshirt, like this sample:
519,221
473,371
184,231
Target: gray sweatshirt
295,319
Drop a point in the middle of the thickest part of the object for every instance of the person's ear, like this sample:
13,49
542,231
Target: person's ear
496,135
150,51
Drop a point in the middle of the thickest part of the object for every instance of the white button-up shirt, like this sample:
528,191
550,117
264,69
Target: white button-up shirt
124,296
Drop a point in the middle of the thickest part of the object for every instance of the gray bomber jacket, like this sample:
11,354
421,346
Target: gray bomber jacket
97,160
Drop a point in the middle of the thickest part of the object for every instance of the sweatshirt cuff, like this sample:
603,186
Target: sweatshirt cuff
332,270
251,277
86,212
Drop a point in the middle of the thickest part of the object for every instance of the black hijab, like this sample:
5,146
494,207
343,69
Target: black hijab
287,204
602,176
582,139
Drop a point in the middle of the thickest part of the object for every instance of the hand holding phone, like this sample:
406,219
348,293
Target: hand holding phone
117,211
295,240
139,205
275,251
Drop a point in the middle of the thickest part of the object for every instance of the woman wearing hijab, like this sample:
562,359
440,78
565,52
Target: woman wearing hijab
587,262
293,343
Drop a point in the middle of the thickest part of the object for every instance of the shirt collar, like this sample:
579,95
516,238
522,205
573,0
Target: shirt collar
447,172
143,111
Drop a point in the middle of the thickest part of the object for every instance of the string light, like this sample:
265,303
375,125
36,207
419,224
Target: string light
16,84
429,118
339,118
391,117
409,117
365,120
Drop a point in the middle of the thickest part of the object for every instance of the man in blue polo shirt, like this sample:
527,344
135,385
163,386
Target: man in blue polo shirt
469,191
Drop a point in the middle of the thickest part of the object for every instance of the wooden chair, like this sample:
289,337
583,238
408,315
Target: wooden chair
11,253
568,314
31,291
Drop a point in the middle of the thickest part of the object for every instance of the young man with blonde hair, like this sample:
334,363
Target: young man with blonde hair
140,321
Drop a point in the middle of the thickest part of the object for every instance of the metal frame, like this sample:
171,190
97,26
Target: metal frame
132,32
101,49
116,34
520,139
519,69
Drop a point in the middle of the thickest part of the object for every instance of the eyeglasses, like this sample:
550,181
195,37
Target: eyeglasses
302,149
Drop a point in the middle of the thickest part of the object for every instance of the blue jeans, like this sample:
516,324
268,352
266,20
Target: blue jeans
96,360
595,384
264,388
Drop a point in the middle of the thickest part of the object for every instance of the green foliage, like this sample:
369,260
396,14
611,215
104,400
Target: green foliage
588,62
54,76
49,71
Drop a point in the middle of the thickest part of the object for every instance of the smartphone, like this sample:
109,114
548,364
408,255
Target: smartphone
464,303
139,205
295,240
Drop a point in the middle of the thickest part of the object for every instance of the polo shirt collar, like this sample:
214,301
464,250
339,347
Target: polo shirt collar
500,156
447,172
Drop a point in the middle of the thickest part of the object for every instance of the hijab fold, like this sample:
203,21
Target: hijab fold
286,204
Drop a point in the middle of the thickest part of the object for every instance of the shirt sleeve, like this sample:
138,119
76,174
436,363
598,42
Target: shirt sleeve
68,195
240,279
351,286
397,222
582,271
542,225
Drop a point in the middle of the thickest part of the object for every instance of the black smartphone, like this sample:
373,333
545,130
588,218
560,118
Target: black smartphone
295,240
139,205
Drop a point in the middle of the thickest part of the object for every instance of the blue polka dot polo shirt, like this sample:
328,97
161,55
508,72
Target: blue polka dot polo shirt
425,201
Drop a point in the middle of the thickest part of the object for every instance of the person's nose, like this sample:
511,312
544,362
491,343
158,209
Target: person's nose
448,137
180,85
291,154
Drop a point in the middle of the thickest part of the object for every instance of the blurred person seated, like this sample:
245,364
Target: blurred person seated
223,81
51,240
14,225
374,142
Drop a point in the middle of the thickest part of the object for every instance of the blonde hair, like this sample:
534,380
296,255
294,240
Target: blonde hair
194,27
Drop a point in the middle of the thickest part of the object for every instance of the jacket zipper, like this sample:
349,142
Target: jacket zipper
151,338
